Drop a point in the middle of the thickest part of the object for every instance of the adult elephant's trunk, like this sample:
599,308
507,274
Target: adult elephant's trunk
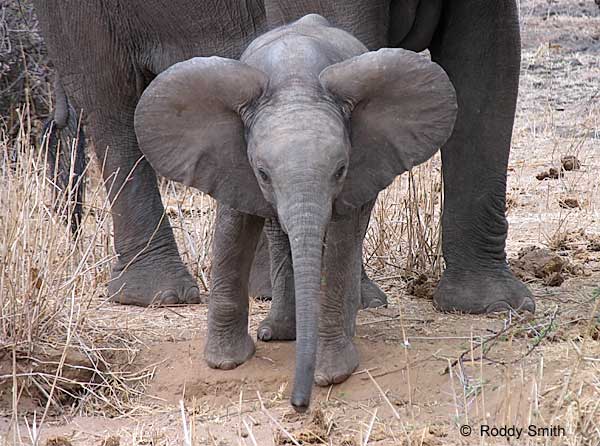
306,222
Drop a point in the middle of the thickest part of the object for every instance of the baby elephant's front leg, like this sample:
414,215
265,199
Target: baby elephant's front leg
337,357
235,239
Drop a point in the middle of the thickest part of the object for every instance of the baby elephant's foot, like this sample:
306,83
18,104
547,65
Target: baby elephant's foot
371,296
276,329
228,352
336,361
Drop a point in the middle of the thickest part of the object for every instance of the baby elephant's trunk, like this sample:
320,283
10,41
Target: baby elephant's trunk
306,223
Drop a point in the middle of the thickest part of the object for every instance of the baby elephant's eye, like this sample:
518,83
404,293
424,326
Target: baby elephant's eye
264,175
340,172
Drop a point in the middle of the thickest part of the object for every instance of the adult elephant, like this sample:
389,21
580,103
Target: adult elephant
106,53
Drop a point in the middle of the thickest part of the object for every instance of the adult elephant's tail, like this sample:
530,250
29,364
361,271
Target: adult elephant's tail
63,141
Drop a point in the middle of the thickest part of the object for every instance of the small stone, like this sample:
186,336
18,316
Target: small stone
554,173
570,162
569,203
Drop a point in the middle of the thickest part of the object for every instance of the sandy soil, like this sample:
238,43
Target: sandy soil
422,374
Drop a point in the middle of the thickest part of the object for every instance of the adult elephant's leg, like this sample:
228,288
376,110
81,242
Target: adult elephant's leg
236,235
281,323
478,45
99,75
337,356
148,269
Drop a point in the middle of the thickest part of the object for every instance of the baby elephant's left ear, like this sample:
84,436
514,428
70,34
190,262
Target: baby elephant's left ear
403,110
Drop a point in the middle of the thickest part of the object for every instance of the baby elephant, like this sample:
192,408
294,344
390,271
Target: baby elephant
303,131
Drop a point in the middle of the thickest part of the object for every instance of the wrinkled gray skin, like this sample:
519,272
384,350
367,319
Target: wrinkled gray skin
260,283
304,130
108,52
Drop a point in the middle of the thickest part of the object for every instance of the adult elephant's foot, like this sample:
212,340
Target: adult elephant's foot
336,361
150,282
228,352
371,295
482,292
273,328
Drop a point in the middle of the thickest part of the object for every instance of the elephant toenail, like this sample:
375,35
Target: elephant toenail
322,381
168,297
498,307
265,334
527,305
227,365
192,295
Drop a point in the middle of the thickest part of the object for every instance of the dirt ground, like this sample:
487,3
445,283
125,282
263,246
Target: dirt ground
423,376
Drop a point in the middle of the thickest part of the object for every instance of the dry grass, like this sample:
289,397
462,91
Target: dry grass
50,308
403,243
70,350
51,350
24,71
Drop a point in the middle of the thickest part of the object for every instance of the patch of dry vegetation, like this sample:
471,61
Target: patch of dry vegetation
53,355
24,67
403,242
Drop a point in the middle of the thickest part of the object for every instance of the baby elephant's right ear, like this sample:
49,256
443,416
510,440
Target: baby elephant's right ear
189,127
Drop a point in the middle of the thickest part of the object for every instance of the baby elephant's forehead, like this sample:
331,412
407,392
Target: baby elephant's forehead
302,151
299,130
304,116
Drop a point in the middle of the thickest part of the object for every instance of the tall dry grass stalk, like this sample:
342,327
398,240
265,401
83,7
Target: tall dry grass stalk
24,66
192,216
404,238
53,350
